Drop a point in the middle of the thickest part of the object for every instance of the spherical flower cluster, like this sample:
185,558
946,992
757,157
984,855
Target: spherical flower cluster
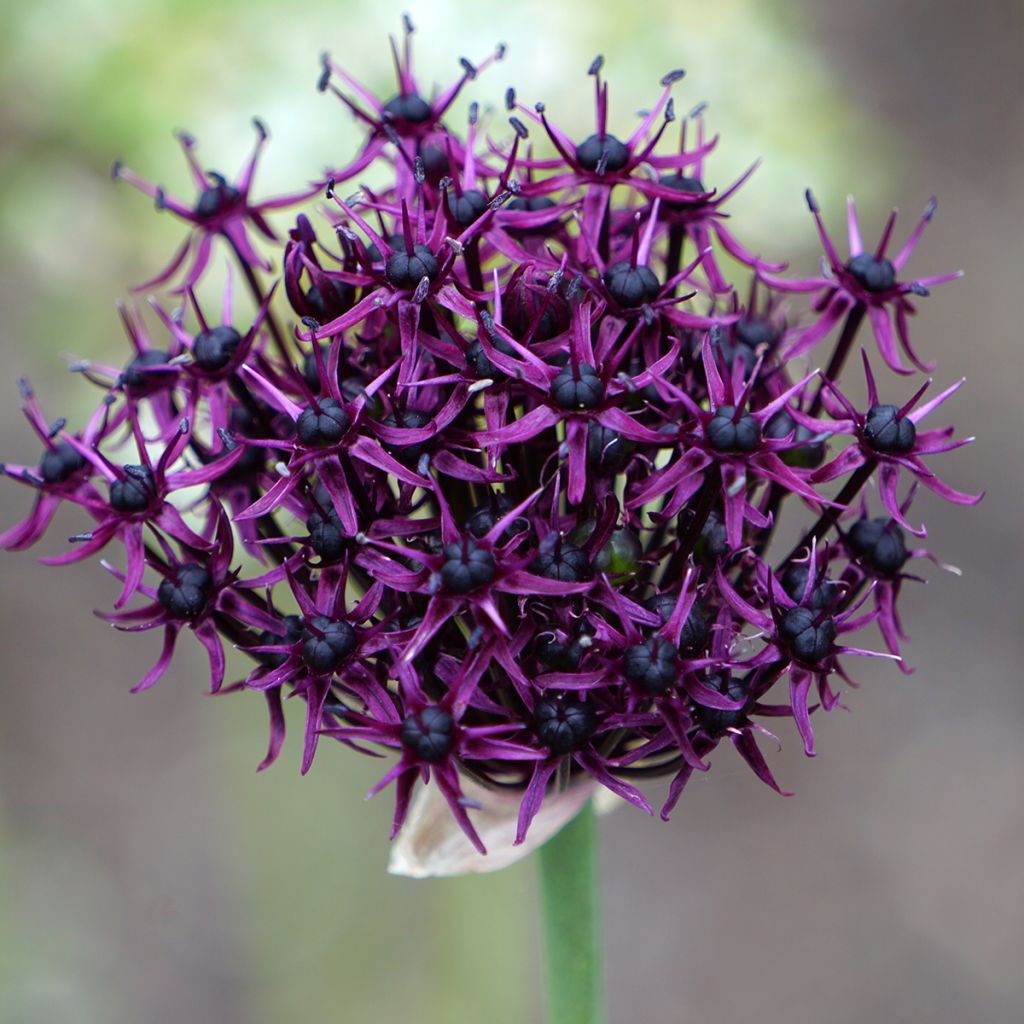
489,476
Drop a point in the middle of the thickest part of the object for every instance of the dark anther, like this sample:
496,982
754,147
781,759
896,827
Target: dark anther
887,432
466,567
214,349
871,273
879,544
519,128
728,432
823,591
138,378
410,108
673,76
808,639
327,643
716,720
564,725
60,463
134,491
184,594
565,563
577,391
631,287
595,65
322,424
429,734
405,272
808,455
607,450
467,207
606,151
652,665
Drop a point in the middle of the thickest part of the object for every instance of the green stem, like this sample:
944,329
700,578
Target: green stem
572,926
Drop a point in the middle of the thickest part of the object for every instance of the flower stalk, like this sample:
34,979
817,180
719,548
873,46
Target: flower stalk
570,904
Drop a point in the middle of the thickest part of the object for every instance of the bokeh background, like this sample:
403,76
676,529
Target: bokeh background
148,875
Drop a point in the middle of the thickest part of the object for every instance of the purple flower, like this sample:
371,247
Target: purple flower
221,209
512,484
866,282
887,435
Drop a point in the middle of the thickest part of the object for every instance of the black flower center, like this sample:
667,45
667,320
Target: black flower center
871,273
560,655
331,301
694,636
564,725
407,452
467,207
631,287
138,376
887,432
530,204
565,563
607,450
682,183
731,433
579,390
808,639
480,362
482,519
604,151
716,720
435,162
428,734
134,491
325,534
809,455
755,333
213,349
292,634
466,567
322,424
327,643
216,200
714,539
652,665
411,108
879,544
185,593
60,463
823,591
405,271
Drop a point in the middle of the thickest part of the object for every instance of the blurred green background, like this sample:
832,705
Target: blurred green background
147,874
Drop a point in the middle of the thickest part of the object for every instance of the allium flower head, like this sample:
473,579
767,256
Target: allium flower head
490,483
